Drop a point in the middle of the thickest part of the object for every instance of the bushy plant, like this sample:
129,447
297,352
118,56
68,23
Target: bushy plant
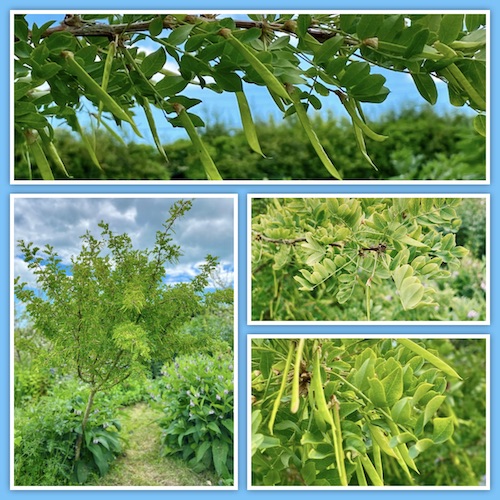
196,394
341,259
46,434
341,412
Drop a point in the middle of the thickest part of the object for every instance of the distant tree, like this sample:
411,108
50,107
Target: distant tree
300,59
110,312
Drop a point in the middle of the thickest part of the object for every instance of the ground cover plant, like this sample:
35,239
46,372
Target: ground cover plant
95,66
370,259
90,341
368,412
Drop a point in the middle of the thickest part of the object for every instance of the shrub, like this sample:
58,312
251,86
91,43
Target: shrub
46,433
196,393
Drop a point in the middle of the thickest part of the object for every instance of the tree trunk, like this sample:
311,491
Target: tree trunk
79,441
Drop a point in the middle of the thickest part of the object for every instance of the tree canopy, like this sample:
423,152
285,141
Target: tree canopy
302,60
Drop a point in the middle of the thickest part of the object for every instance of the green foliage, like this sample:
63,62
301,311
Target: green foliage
110,311
421,144
358,259
301,60
46,433
196,394
370,412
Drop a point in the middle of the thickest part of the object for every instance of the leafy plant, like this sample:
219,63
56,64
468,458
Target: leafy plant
300,59
47,432
340,412
106,314
314,258
196,394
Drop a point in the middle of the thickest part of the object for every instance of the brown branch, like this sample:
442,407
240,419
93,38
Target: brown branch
291,241
87,29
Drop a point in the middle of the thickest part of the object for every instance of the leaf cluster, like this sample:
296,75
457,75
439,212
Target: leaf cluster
341,252
368,411
301,60
197,396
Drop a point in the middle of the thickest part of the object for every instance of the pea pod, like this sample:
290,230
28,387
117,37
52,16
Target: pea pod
41,161
152,126
350,107
52,152
371,471
248,123
206,159
277,401
108,66
269,79
431,358
454,71
325,413
94,88
294,408
311,134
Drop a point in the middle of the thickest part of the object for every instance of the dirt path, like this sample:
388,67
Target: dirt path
141,464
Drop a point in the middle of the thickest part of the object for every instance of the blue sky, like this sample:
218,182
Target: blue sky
223,107
60,221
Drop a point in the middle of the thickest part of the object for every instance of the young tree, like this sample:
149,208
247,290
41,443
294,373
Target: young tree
300,59
108,313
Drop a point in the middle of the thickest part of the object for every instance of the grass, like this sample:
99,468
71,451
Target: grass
141,463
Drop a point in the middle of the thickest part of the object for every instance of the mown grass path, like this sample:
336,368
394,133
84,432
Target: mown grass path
142,464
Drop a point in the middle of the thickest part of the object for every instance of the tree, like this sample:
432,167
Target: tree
111,311
300,59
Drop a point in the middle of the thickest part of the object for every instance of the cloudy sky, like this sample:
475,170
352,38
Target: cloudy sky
60,221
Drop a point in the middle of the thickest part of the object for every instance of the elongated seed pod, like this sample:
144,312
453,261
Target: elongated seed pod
311,134
52,152
351,109
281,390
248,123
152,127
108,66
206,159
94,88
38,154
269,79
294,407
431,358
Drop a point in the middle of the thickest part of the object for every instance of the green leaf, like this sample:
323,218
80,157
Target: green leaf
154,62
303,23
443,429
480,124
180,35
369,25
354,73
393,386
171,85
432,407
377,393
401,411
228,81
308,473
328,49
156,26
425,86
220,451
420,446
450,27
417,43
201,450
411,293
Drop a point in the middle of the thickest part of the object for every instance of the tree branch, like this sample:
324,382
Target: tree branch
291,241
87,29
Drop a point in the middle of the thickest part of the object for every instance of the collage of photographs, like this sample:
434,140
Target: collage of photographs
250,251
